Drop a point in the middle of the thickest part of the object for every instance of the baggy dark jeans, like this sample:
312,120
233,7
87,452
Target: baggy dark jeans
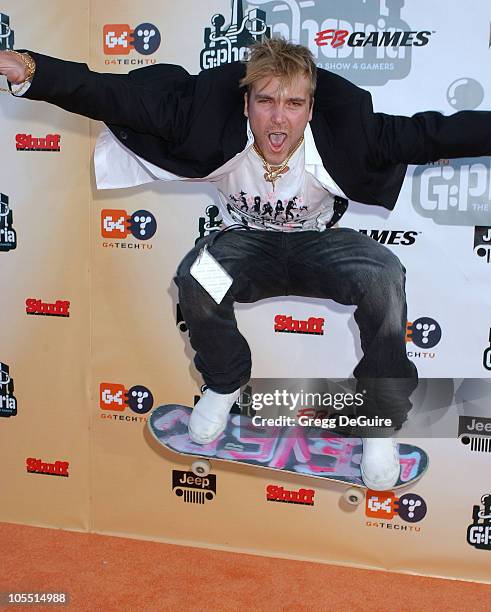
339,264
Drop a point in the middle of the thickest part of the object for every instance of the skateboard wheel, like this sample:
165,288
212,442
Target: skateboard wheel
201,467
354,496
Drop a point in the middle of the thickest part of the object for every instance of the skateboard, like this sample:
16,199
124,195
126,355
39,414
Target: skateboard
305,451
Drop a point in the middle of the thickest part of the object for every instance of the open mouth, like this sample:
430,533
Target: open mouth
277,140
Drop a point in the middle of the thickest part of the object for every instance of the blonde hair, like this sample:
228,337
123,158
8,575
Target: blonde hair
280,58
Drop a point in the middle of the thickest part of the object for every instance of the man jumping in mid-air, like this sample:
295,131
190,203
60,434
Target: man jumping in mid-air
277,129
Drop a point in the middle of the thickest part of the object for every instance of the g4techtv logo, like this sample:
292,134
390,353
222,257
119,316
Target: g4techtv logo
424,333
117,224
8,402
410,507
121,39
114,397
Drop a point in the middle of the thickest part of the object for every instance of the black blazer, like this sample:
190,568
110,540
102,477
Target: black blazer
192,124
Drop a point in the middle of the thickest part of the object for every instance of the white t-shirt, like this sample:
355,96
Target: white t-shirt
297,202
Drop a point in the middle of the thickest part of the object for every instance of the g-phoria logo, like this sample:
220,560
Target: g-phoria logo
479,533
8,402
482,242
486,357
365,41
453,192
424,333
230,43
194,489
6,33
211,222
475,432
115,224
8,236
115,397
120,39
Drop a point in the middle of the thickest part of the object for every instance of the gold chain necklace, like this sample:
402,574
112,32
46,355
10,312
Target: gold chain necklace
275,171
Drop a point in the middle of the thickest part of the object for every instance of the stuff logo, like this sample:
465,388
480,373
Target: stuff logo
231,43
120,39
26,142
37,466
58,309
194,489
391,237
8,402
313,325
424,332
115,397
475,432
115,223
211,222
385,505
479,533
8,236
482,242
365,41
453,192
304,497
6,33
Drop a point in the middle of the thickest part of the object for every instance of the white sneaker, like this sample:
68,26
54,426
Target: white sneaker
209,417
380,466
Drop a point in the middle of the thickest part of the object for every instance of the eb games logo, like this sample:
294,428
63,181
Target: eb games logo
142,225
120,39
113,396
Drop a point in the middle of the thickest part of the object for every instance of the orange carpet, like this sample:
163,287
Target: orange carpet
113,574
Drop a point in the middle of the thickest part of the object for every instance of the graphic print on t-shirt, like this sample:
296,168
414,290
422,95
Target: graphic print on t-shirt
267,211
298,201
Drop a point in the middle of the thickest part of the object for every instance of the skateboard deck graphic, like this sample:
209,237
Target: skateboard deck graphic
298,450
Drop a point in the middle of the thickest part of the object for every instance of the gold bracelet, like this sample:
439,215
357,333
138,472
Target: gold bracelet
30,65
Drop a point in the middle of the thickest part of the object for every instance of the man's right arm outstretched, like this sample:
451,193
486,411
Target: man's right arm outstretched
112,98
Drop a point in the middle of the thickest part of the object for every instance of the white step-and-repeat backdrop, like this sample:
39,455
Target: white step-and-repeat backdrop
92,336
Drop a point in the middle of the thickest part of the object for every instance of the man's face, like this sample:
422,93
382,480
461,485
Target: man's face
278,114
